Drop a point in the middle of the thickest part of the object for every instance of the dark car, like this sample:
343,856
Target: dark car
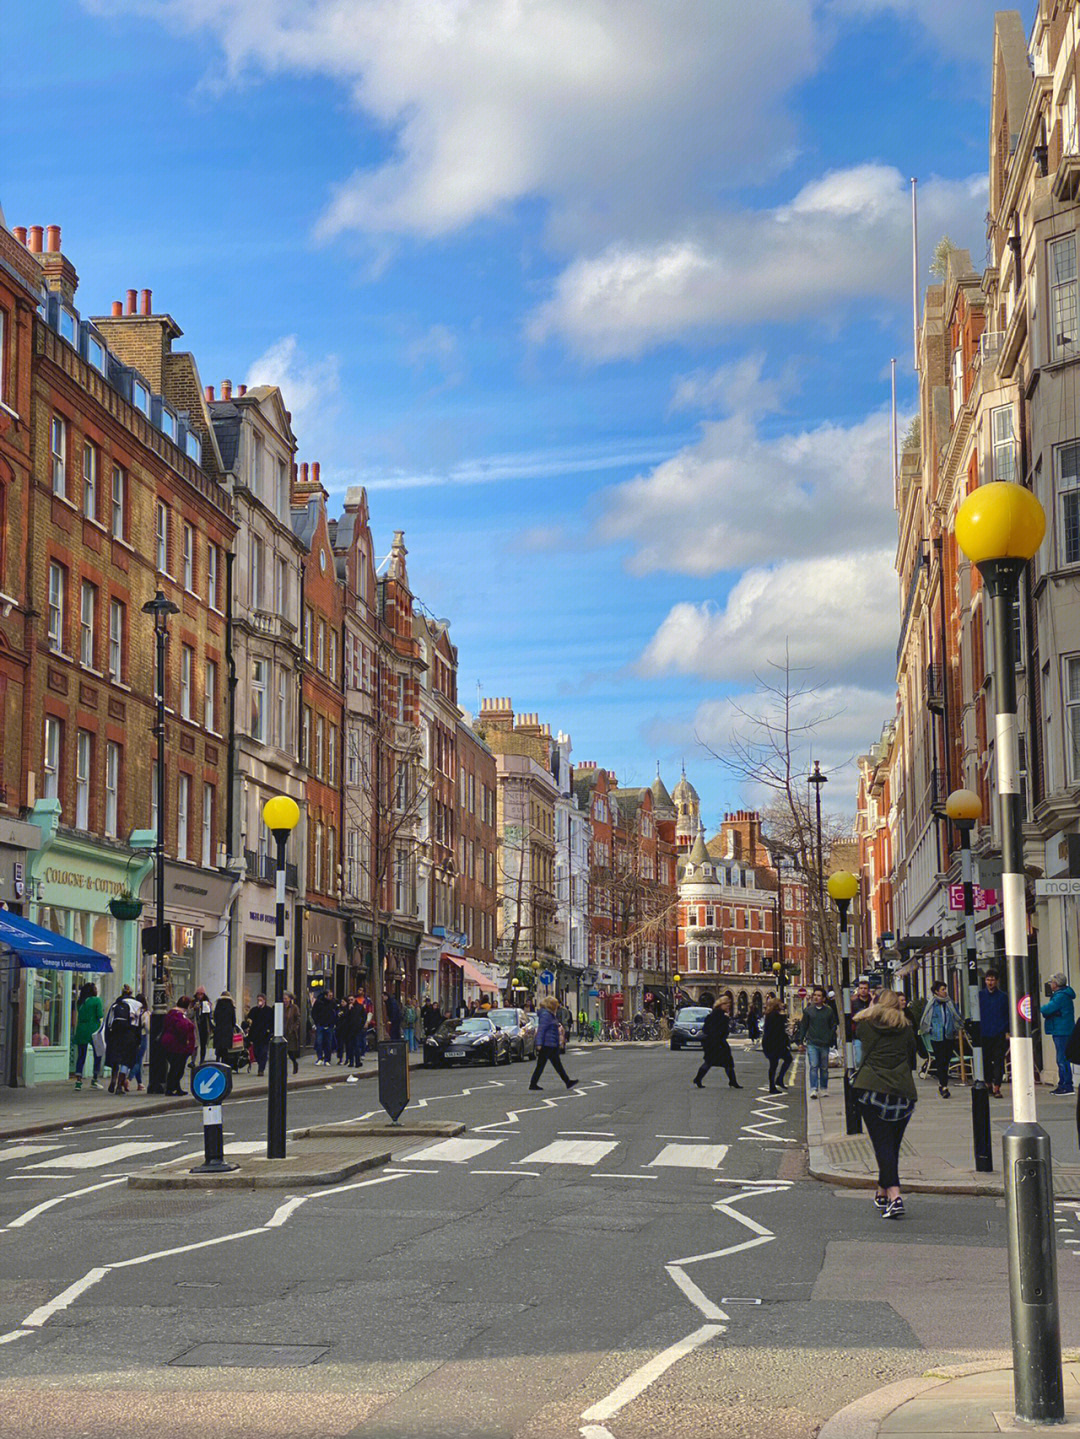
466,1041
522,1035
686,1029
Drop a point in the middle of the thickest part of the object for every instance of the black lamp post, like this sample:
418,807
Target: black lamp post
964,807
817,779
160,608
843,888
999,527
281,816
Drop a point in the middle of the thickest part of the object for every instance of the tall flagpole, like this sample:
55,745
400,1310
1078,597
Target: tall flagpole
915,266
895,453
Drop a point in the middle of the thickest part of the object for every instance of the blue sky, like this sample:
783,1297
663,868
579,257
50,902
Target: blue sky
599,302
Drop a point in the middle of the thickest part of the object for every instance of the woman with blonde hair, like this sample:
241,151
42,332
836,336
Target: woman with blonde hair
548,1041
886,1091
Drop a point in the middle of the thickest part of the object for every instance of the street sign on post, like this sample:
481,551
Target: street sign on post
983,898
393,1076
210,1084
547,977
1057,888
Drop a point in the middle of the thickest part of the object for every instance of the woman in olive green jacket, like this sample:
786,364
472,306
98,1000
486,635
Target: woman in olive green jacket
88,1017
885,1087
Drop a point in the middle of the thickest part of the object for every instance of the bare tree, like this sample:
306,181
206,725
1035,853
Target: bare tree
531,903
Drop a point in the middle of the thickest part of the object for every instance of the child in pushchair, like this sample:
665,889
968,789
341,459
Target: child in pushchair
240,1054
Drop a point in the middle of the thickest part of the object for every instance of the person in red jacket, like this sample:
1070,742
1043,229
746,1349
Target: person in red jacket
178,1041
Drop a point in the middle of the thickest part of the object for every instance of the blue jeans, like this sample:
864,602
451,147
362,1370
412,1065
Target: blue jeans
136,1068
80,1061
410,1038
325,1035
817,1058
856,1048
1064,1067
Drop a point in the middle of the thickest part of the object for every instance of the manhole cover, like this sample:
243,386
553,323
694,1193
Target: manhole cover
252,1356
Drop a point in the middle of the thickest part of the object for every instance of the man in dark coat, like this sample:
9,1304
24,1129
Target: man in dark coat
224,1027
714,1043
260,1027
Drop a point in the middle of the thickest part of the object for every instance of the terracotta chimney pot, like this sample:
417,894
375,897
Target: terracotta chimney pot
20,234
129,308
52,239
117,309
209,394
242,390
36,233
303,473
226,389
145,299
315,472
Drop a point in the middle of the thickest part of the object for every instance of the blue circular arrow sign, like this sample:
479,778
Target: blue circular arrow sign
211,1083
547,977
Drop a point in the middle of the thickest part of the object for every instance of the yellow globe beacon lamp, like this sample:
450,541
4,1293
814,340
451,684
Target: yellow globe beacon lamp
999,527
281,814
964,808
843,887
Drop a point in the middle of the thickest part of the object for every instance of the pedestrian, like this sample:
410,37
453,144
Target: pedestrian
224,1027
547,1044
178,1040
1059,1013
202,1014
409,1022
144,1040
324,1018
393,1015
775,1044
860,1000
940,1025
122,1038
260,1023
89,1017
993,1029
341,1029
292,1031
816,1034
714,1043
355,1027
753,1027
885,1086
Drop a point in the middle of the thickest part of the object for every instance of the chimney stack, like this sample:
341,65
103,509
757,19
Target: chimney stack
209,394
36,233
117,309
144,302
315,473
52,239
303,474
242,390
226,389
20,234
130,307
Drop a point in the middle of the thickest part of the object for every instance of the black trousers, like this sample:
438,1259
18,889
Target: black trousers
886,1136
175,1074
549,1054
994,1058
943,1049
779,1064
722,1061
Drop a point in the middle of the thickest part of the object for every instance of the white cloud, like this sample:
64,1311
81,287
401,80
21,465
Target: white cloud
735,498
738,386
835,615
844,237
964,28
308,387
437,350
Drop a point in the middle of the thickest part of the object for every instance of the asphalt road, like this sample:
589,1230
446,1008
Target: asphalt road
633,1258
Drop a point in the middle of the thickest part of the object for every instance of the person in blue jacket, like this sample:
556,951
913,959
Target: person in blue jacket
1059,1014
993,1029
548,1042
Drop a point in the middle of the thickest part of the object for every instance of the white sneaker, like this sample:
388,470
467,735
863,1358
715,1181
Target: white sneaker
813,1094
353,1079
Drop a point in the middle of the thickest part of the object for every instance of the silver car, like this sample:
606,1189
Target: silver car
514,1024
686,1029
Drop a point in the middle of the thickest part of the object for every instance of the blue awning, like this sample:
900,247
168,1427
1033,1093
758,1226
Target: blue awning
38,948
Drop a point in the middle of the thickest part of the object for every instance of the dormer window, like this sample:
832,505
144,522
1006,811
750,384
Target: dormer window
69,326
140,397
95,353
168,423
193,447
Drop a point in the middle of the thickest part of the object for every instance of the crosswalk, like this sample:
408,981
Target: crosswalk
32,1159
582,1153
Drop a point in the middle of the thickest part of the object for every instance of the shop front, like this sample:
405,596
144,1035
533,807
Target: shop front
18,840
253,948
400,957
197,904
70,883
326,951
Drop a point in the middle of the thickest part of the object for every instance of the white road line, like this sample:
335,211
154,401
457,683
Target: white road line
636,1383
60,1199
684,1136
14,1334
23,1151
98,1158
697,1298
572,1151
68,1296
611,1174
452,1151
690,1156
588,1133
282,1212
516,1173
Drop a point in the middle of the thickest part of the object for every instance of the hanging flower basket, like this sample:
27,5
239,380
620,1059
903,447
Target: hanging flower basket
125,906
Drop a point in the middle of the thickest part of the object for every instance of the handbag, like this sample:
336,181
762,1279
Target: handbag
97,1040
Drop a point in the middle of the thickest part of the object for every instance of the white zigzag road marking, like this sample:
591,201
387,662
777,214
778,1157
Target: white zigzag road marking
512,1115
767,1117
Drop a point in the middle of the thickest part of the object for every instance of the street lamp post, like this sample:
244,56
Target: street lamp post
843,888
964,807
999,527
817,779
160,609
281,816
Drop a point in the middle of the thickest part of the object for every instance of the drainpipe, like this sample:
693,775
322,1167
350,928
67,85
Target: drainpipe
230,765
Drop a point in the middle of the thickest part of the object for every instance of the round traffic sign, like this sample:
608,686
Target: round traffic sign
547,977
802,991
1024,1006
211,1083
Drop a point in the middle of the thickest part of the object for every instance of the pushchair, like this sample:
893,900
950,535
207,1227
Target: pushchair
240,1053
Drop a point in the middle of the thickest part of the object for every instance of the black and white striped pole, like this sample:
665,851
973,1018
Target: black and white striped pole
843,887
964,807
999,527
281,816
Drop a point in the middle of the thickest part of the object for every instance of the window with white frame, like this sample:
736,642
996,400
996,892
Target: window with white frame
95,353
57,586
256,457
207,854
331,755
351,876
58,448
183,815
69,326
187,662
90,481
320,743
168,423
305,737
333,656
258,700
309,622
54,732
1071,696
1067,477
82,779
320,646
161,535
258,562
282,727
210,696
317,858
87,623
189,557
140,397
401,882
112,789
1063,297
116,503
281,588
1070,140
116,640
1003,442
213,570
